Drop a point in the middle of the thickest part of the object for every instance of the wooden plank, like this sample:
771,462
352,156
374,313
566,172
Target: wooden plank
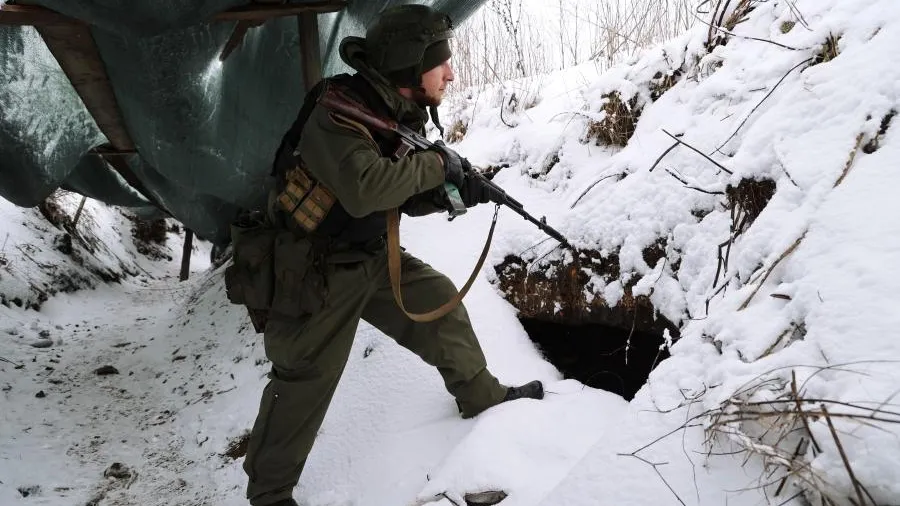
74,48
309,49
14,14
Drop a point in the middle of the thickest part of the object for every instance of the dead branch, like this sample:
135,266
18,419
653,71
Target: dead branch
803,418
840,447
690,186
859,139
799,15
732,34
8,361
772,268
620,175
663,155
655,465
692,148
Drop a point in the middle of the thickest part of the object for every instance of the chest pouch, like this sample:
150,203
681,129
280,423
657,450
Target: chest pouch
305,200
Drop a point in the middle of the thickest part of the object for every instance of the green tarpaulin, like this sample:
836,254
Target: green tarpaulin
205,132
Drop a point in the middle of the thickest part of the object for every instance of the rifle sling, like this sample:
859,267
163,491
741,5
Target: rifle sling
393,251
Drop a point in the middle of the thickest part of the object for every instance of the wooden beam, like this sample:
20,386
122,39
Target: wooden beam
107,150
74,48
237,38
267,11
310,55
15,14
24,15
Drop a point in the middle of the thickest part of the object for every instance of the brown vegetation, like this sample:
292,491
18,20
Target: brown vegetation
617,125
828,52
561,296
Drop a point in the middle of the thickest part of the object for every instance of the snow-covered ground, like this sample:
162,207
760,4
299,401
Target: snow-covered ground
809,301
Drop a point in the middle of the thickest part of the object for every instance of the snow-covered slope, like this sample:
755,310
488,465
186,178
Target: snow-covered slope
806,313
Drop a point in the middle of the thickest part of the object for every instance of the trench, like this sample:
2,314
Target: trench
598,355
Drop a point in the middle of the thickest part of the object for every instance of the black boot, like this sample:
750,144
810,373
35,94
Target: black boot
285,502
530,390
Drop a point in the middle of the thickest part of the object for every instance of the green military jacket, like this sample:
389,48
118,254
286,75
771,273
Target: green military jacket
354,163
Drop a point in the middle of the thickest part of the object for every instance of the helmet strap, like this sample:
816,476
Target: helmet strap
433,112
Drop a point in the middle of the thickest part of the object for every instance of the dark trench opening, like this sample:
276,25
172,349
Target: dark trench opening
594,354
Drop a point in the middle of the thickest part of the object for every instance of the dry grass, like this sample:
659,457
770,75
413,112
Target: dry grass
874,143
718,21
770,419
747,200
149,231
51,209
237,446
618,124
457,132
739,15
663,83
829,50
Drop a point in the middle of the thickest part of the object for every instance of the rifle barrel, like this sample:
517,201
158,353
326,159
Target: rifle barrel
500,196
349,108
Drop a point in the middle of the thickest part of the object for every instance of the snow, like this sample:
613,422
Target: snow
810,295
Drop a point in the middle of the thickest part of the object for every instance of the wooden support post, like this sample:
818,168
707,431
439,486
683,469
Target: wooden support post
186,254
308,25
78,213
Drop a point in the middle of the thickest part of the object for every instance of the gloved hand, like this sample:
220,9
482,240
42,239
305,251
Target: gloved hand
474,191
455,166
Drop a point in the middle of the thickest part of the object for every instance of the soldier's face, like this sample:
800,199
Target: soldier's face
434,82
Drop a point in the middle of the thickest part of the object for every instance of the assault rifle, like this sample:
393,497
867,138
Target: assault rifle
413,141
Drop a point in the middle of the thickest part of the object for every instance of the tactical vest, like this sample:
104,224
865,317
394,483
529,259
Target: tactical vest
338,225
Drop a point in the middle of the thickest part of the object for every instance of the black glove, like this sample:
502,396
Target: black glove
455,166
474,191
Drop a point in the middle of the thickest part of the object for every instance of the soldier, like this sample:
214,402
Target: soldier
329,278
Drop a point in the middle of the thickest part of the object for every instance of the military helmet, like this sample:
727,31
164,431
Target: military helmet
406,41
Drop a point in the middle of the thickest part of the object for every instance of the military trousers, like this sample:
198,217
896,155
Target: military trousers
308,356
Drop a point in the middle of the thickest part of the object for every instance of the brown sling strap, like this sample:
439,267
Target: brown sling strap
393,250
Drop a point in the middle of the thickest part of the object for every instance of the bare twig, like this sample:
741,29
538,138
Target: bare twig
692,148
799,15
732,34
690,186
796,454
859,139
8,361
772,268
663,155
791,498
447,497
812,438
655,465
757,106
595,183
840,447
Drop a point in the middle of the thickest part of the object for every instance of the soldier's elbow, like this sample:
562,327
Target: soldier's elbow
356,206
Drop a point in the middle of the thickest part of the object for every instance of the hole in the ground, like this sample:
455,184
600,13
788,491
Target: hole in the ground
595,354
485,498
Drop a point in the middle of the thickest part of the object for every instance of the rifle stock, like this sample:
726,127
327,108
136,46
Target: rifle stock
413,141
